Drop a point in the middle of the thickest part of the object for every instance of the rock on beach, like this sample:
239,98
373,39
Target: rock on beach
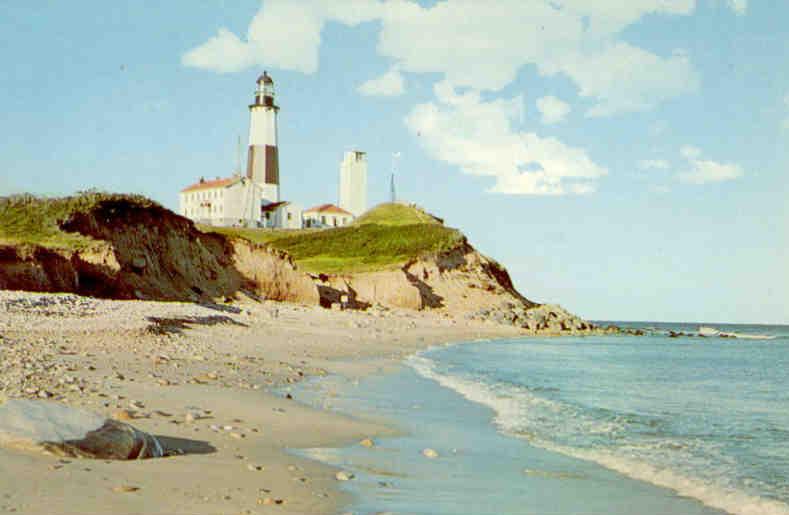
429,453
58,429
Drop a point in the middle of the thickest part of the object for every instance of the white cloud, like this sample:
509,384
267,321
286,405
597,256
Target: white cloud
477,136
623,78
738,6
690,152
653,164
478,44
704,171
483,45
283,34
552,109
222,53
389,84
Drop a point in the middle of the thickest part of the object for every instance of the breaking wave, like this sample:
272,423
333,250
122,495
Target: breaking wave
634,445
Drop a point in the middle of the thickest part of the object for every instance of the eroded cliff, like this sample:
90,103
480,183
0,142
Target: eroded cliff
148,252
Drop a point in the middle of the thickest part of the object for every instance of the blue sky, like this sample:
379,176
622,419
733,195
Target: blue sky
625,159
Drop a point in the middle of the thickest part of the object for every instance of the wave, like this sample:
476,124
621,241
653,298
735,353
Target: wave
520,413
711,331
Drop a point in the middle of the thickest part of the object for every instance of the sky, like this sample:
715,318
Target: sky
627,160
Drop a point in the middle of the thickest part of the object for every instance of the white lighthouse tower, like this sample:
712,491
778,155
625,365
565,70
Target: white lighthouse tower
263,158
353,182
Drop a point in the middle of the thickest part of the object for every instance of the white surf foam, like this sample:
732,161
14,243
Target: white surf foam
513,406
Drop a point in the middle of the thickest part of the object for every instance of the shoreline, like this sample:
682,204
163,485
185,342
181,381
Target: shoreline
211,380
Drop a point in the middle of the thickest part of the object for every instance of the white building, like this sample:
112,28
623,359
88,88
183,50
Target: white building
327,215
353,183
217,202
281,215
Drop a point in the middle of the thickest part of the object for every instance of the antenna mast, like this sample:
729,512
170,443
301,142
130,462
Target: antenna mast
238,156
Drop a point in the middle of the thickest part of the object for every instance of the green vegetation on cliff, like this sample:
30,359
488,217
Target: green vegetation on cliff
27,219
397,214
386,236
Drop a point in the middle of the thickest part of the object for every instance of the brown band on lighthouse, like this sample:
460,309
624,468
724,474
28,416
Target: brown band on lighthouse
272,165
263,162
251,162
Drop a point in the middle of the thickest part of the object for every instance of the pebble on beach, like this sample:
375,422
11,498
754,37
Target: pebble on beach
344,476
125,489
123,414
270,500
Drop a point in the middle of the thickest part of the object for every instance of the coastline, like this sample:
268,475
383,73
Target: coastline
211,380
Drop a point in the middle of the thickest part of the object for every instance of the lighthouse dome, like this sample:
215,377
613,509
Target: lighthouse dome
265,79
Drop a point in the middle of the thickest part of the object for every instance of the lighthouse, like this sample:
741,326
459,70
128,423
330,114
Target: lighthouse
263,158
353,182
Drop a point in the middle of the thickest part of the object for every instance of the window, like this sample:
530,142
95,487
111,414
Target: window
323,219
290,216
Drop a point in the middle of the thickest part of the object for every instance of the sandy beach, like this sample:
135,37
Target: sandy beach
212,383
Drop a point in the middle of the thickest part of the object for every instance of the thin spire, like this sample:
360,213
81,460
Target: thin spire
238,155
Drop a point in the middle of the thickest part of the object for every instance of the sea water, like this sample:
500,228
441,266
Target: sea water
614,425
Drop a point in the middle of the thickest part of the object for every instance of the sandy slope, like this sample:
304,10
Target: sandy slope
224,366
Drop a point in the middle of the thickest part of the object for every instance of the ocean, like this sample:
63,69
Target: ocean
594,425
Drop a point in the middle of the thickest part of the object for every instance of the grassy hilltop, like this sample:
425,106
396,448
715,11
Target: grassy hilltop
384,237
27,219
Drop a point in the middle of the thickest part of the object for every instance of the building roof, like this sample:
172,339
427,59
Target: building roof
265,78
203,184
328,208
273,206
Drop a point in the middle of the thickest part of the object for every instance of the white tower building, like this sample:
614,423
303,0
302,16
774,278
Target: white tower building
353,183
263,158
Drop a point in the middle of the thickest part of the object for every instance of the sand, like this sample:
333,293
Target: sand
212,383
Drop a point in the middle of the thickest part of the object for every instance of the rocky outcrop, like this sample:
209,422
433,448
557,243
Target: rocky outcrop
545,318
148,252
457,281
460,282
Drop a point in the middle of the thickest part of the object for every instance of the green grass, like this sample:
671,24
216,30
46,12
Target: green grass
27,219
397,214
387,236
